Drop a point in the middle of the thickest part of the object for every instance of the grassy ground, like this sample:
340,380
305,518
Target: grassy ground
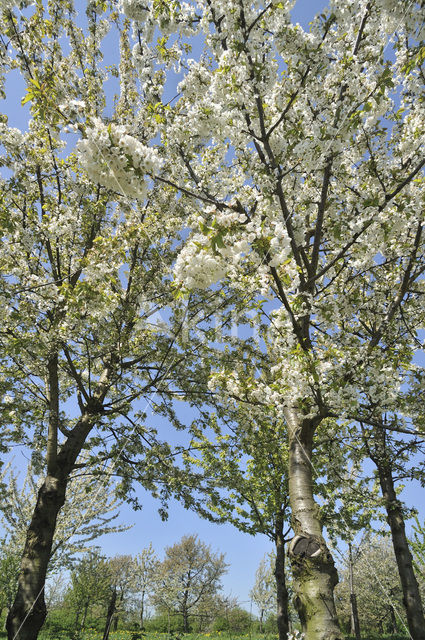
134,635
91,634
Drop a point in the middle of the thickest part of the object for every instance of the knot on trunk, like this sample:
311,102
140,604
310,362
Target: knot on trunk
53,491
51,484
306,546
309,554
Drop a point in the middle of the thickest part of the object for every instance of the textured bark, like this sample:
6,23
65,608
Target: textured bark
28,612
313,568
411,595
281,590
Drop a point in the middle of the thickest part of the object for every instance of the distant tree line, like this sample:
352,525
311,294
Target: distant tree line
183,593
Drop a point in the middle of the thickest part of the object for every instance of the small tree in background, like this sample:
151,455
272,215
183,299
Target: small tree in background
378,589
146,566
89,587
87,514
263,593
121,582
9,570
188,576
417,543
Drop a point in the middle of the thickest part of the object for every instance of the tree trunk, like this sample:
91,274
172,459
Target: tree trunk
185,612
83,621
355,623
109,615
261,620
411,596
281,590
393,620
185,621
315,576
117,612
28,612
142,610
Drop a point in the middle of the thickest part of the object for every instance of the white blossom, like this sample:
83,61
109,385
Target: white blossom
135,9
117,160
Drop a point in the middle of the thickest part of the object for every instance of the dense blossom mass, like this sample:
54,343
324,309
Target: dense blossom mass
117,160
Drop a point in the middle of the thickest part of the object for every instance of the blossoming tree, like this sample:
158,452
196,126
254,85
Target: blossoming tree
88,244
306,149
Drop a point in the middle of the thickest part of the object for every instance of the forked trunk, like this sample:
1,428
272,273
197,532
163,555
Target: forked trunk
281,590
315,576
28,612
411,595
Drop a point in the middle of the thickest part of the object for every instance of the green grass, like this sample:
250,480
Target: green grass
91,634
222,635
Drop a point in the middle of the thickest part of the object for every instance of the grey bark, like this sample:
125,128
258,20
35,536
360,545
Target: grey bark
315,576
411,595
28,612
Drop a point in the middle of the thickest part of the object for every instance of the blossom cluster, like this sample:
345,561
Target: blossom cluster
196,266
117,160
8,5
135,9
170,17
